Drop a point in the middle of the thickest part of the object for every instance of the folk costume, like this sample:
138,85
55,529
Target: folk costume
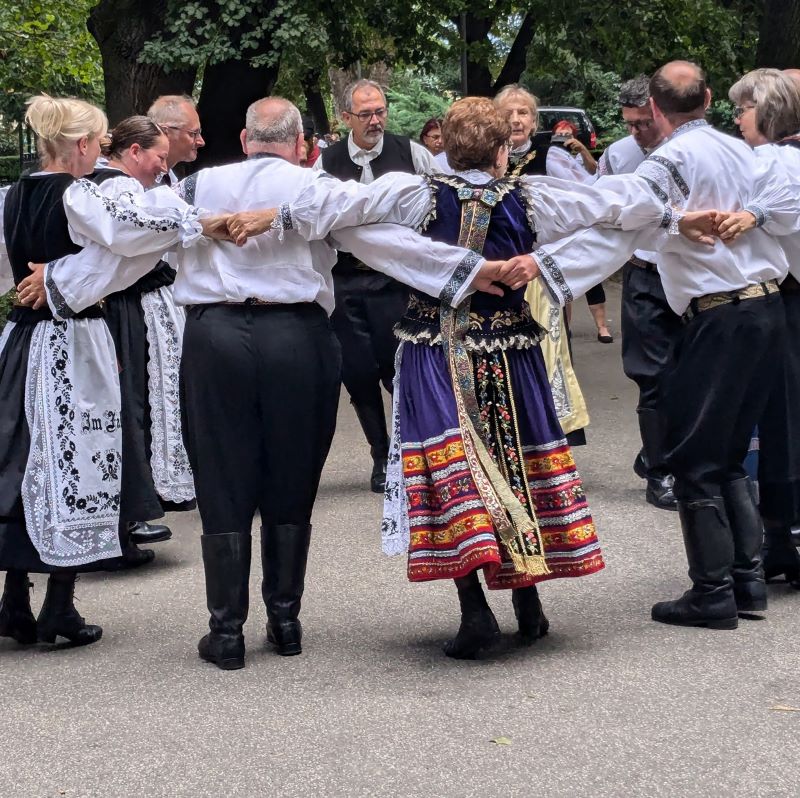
147,329
650,329
61,447
369,303
260,379
779,427
480,474
723,368
569,401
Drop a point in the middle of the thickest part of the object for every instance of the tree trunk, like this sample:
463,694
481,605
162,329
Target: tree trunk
779,37
228,89
315,103
121,28
517,58
479,78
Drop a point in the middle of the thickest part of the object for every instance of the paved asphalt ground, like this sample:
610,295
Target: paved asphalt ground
609,704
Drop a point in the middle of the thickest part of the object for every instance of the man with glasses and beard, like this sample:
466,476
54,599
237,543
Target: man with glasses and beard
369,304
649,325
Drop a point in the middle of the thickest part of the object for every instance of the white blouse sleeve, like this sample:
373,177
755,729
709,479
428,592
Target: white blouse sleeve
776,194
437,269
6,275
559,207
132,224
328,204
564,166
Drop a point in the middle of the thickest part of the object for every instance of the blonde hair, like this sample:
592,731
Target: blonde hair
515,91
58,121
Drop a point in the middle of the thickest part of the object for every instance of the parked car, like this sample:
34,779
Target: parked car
550,114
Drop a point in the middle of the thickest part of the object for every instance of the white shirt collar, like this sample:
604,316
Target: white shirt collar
360,155
475,176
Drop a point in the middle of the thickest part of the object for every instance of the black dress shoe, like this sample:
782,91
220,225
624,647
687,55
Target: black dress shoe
605,339
377,480
132,557
142,532
660,493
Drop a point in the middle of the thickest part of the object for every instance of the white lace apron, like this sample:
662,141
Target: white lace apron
169,462
71,487
395,531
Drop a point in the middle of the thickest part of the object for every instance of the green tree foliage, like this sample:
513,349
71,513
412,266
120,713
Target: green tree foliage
45,46
413,100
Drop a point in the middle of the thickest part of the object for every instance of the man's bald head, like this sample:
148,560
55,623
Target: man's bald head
273,125
679,90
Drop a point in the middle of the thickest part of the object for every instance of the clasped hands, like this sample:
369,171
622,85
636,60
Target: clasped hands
704,227
240,226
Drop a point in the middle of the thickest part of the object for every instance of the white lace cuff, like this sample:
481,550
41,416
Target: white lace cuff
191,229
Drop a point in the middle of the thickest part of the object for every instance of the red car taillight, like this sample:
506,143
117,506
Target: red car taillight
592,140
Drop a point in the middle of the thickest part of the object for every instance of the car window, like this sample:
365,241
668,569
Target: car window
548,119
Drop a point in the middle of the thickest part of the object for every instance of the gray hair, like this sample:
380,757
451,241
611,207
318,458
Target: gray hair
635,93
352,88
166,110
777,100
273,120
515,90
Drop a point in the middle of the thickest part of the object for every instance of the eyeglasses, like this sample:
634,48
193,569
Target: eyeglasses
366,116
434,136
738,111
642,124
195,134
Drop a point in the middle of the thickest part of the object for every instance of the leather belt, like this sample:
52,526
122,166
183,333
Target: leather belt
711,301
252,301
641,263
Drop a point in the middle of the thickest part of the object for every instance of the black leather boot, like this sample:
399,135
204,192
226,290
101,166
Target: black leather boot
372,418
284,553
779,554
749,587
479,630
58,616
142,532
659,491
709,550
226,561
532,621
16,617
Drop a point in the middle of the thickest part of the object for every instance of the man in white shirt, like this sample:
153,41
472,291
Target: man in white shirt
734,327
369,304
649,326
261,373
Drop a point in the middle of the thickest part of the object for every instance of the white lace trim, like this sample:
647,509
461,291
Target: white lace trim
395,531
4,335
71,487
172,474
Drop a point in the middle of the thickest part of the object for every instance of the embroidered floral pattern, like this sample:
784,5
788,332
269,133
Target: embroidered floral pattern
126,213
459,277
553,276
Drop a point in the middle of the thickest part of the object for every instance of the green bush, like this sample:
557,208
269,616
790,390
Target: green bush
6,301
9,169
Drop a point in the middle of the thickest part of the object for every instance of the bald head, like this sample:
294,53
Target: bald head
679,91
273,125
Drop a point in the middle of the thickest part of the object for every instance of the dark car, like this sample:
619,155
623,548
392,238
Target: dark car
549,115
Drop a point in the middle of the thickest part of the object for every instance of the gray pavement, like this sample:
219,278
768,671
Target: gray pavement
609,704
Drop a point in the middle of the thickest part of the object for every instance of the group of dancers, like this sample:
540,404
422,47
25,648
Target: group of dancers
117,403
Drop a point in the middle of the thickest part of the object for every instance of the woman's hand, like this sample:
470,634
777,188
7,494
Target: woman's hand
216,227
518,271
245,224
731,224
30,292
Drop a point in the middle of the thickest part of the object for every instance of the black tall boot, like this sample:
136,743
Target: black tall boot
659,481
531,619
284,553
16,618
749,587
479,630
780,554
372,418
226,561
58,616
709,550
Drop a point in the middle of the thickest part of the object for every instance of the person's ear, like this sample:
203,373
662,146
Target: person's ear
243,139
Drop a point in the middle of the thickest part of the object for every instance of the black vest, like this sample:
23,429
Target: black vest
395,157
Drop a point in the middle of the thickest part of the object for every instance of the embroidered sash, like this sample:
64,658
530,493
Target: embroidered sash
517,527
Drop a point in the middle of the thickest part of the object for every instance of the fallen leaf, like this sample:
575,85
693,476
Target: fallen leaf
784,708
501,740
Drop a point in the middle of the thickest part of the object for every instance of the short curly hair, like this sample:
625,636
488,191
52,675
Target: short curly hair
472,131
